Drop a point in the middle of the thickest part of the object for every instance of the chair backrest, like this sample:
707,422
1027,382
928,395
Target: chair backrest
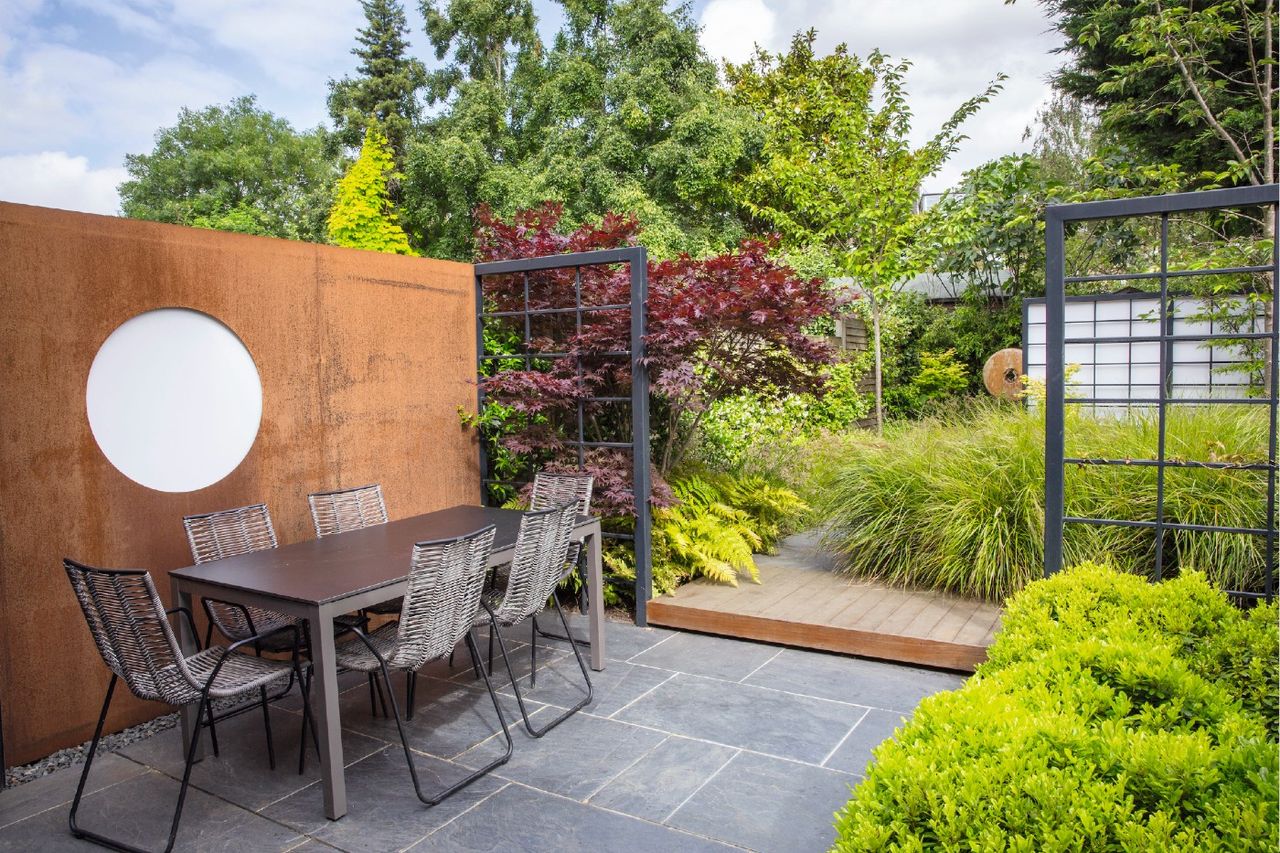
542,547
347,509
132,632
554,490
446,579
230,533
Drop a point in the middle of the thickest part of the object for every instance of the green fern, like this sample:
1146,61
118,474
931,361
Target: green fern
776,510
717,527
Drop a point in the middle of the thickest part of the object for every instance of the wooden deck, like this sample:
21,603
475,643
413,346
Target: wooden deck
801,602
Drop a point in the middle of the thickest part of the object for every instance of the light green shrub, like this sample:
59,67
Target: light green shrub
755,434
1111,715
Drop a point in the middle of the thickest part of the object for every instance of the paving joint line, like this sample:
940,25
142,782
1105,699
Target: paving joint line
467,810
784,692
641,696
87,794
608,810
836,748
774,657
651,648
696,790
745,749
607,782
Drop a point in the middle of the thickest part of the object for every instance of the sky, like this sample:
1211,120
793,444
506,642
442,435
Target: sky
84,82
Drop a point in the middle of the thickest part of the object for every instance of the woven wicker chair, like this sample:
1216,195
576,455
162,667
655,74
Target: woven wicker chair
347,509
351,509
446,580
542,548
553,490
131,630
230,533
342,510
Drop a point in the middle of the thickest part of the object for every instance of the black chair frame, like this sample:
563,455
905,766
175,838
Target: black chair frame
204,706
439,796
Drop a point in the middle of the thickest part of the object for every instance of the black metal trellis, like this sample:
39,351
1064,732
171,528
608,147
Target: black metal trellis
636,260
1056,218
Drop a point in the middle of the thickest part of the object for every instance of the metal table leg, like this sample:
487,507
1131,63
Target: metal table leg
187,641
595,592
328,726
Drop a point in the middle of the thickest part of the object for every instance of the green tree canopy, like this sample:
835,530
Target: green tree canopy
486,39
838,171
1187,83
235,168
387,83
622,113
363,216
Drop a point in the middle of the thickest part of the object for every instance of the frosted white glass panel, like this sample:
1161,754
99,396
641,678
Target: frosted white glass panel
1107,367
1113,309
1112,329
174,400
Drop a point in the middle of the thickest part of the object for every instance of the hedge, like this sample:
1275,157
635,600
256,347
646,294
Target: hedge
1112,714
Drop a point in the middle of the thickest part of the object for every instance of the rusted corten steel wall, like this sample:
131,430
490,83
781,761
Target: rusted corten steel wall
364,359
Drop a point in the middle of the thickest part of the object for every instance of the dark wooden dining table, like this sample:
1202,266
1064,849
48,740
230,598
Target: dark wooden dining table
320,579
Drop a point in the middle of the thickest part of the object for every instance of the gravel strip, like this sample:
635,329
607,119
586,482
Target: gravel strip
75,755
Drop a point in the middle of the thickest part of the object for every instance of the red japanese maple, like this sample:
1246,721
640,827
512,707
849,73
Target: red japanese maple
717,327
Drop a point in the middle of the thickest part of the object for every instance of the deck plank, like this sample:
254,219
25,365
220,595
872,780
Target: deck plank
813,608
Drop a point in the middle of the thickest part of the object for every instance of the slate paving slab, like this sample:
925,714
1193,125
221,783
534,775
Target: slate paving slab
743,715
138,812
715,657
576,758
875,728
623,640
384,813
519,818
59,788
561,684
240,773
664,778
767,804
863,682
691,743
449,718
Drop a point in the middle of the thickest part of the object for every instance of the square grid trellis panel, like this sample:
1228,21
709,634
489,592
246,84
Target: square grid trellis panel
635,258
1157,331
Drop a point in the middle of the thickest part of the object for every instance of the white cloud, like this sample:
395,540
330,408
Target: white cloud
956,48
145,22
732,28
63,98
297,42
57,179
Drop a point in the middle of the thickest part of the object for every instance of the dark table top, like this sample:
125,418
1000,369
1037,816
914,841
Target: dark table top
322,570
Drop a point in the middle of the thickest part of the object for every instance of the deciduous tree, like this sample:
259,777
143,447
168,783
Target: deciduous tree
1191,82
838,170
234,168
622,113
717,327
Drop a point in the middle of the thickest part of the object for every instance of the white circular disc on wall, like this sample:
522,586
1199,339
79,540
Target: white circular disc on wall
174,400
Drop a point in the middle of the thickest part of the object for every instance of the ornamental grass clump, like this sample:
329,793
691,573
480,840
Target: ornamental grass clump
956,502
1112,714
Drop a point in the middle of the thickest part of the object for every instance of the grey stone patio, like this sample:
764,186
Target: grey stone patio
692,743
